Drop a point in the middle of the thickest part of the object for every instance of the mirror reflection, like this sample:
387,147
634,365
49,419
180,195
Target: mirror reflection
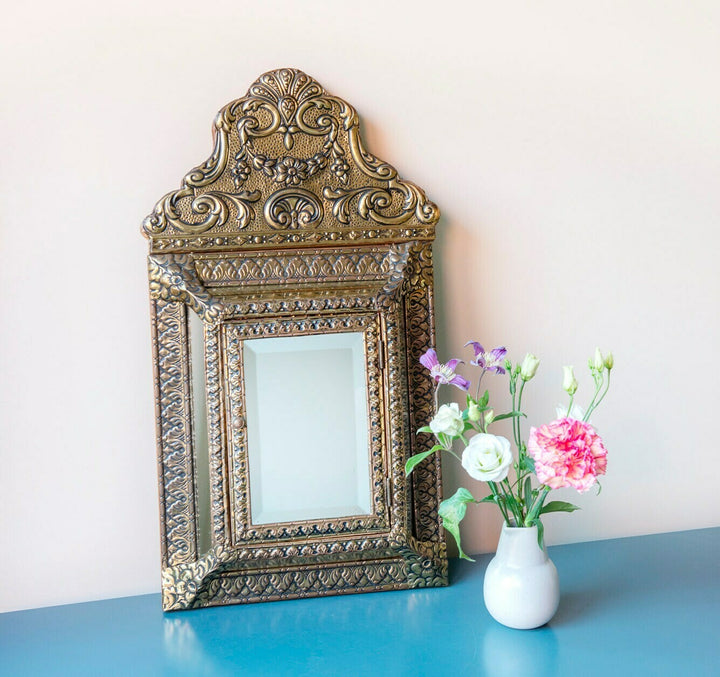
307,427
196,341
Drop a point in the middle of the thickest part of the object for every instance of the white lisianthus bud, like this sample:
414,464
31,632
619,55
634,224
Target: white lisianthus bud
448,421
489,417
474,413
529,367
570,384
609,361
487,458
598,360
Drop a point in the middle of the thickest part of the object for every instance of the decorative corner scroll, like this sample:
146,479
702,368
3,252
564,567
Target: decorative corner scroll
173,278
426,563
213,208
296,150
182,583
397,260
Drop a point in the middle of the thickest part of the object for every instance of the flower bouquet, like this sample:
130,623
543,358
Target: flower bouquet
566,452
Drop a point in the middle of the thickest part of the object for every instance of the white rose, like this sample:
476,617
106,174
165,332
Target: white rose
448,421
487,458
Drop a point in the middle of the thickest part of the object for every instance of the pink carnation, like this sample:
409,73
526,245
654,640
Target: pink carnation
567,453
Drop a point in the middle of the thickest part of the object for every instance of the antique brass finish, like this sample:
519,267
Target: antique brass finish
292,228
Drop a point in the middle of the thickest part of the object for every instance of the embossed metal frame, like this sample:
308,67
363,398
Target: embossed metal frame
242,530
259,242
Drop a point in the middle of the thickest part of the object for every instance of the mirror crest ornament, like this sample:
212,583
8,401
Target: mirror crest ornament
291,229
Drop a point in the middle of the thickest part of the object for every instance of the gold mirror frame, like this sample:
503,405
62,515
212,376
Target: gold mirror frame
291,227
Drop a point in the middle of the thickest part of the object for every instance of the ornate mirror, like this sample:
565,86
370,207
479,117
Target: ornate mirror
291,298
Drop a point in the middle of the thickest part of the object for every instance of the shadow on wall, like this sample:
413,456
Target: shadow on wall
465,306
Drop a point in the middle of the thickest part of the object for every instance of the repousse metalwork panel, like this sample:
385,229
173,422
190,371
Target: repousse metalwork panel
292,227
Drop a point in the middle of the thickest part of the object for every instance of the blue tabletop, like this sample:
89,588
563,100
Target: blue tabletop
635,606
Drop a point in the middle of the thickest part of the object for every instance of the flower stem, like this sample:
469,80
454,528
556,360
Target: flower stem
536,506
516,419
499,502
595,405
514,503
569,409
477,392
454,454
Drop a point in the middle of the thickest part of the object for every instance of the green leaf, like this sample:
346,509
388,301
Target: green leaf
452,510
528,492
425,429
483,401
527,463
558,506
511,501
490,498
541,533
419,458
510,414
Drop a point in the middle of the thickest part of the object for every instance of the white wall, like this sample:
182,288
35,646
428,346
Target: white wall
574,149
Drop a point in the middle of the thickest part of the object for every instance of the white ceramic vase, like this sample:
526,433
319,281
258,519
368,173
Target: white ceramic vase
521,587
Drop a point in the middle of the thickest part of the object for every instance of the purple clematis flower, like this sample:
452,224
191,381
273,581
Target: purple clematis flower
491,361
443,373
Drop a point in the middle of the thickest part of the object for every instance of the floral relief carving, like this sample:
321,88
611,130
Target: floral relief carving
204,583
219,576
317,265
288,171
419,322
174,465
320,138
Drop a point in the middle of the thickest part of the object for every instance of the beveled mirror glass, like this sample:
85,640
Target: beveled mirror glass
291,298
196,347
307,413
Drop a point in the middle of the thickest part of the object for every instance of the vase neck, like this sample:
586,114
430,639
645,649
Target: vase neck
519,546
